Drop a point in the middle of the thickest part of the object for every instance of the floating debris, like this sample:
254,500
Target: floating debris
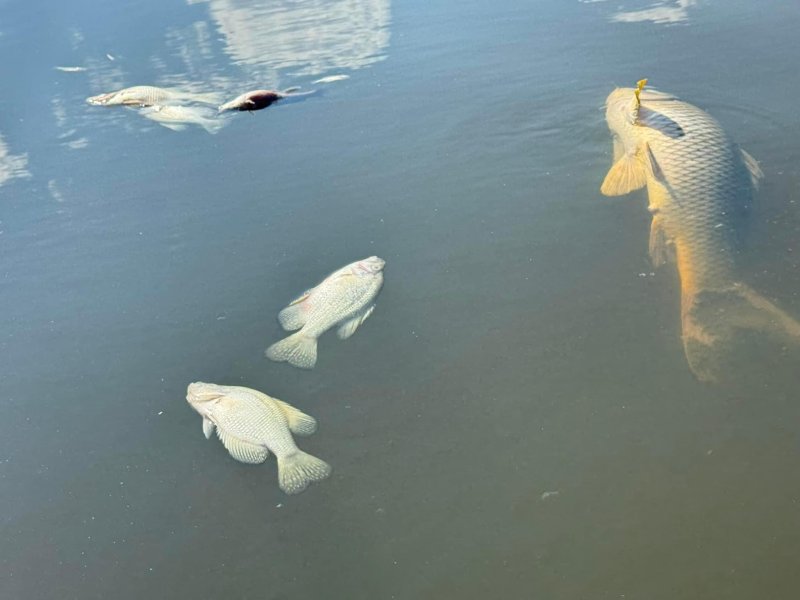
70,69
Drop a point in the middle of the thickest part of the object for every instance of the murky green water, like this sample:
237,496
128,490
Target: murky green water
517,418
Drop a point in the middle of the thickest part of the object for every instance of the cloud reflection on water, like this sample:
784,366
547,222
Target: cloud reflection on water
305,38
661,12
12,165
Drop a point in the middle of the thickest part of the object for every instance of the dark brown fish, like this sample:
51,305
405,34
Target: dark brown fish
258,99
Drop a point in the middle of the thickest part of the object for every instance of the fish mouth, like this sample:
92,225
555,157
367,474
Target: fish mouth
100,99
200,392
373,264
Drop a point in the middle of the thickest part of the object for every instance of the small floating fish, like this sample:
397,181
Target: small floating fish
345,298
251,424
148,95
331,79
178,117
258,99
699,184
70,69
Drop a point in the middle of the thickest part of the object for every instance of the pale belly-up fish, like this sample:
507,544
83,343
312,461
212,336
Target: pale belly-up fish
251,424
259,99
345,299
699,185
178,118
148,95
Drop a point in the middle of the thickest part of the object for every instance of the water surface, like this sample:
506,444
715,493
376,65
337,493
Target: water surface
522,343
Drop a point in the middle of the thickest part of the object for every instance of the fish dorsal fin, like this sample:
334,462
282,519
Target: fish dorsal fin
349,327
244,452
208,427
301,298
756,174
626,175
299,422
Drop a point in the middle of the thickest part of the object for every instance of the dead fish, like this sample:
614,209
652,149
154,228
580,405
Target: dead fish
258,99
699,182
331,79
148,95
345,298
251,424
70,69
178,117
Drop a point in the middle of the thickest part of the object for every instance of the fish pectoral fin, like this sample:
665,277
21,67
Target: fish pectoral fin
756,174
299,422
244,452
652,165
349,327
208,427
626,175
662,249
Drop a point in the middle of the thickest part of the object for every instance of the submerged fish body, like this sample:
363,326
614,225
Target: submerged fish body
178,117
251,424
699,185
148,95
345,298
260,99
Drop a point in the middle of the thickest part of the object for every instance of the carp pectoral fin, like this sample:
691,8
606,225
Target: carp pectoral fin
242,451
662,249
627,175
653,166
299,422
756,174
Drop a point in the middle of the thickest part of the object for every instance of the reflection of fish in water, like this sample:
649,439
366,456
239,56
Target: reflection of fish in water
344,298
178,117
698,182
258,99
250,424
147,95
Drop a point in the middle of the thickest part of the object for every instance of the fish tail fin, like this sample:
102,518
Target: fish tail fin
710,319
297,470
298,349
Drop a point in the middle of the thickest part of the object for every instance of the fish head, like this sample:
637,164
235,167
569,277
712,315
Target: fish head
203,396
109,99
369,266
621,111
